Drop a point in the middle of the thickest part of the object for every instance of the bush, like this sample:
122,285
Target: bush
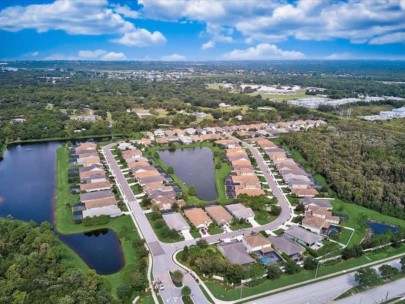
96,220
310,263
192,191
170,170
292,267
202,243
273,272
218,166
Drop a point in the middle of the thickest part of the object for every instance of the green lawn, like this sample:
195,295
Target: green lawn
263,217
345,235
226,293
238,226
122,226
215,229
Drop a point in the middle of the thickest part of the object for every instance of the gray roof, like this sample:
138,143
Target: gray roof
94,177
112,210
157,193
240,211
321,202
90,168
303,235
286,245
151,179
176,221
236,253
96,195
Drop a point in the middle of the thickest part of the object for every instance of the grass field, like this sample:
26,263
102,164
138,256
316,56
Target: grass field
281,98
122,226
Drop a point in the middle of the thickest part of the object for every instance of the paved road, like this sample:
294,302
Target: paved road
161,253
327,290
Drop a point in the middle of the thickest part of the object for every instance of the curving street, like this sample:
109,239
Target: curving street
162,253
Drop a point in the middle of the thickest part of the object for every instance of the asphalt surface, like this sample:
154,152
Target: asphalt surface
161,253
327,290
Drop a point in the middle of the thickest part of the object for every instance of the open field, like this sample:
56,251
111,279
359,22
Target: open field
122,226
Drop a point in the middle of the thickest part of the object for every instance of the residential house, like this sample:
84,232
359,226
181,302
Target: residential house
175,221
305,192
110,210
198,217
287,246
318,219
145,142
185,139
131,154
236,253
303,236
103,185
227,143
162,141
85,146
240,211
90,171
159,133
257,242
219,214
319,202
190,131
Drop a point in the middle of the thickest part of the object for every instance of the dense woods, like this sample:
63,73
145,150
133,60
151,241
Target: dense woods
362,162
32,270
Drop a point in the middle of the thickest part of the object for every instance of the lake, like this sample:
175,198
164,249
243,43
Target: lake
27,192
195,167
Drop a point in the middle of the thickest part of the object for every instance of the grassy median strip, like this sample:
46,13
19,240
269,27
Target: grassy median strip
122,226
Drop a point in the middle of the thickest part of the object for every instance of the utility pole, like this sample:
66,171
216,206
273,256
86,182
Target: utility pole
316,272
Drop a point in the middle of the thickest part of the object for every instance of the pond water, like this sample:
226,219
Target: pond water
380,228
27,181
91,247
27,192
195,167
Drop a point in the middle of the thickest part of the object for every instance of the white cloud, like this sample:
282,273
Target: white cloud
101,55
263,51
78,17
113,56
141,37
339,56
208,45
389,38
126,11
35,54
359,21
173,57
90,55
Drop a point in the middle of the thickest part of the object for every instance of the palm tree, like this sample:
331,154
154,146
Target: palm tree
186,291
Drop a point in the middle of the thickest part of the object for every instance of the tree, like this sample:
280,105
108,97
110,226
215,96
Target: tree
292,267
354,251
186,291
218,166
273,272
387,271
177,277
402,261
170,170
310,263
202,243
367,277
192,191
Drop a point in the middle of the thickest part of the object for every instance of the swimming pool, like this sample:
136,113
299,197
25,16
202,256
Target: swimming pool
270,258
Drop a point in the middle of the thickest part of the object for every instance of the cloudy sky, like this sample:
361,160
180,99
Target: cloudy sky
202,29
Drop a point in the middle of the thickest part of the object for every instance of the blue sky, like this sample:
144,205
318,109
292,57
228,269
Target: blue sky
202,29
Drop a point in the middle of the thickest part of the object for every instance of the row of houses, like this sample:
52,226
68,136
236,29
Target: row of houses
268,250
153,181
299,181
96,197
190,135
203,218
243,178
